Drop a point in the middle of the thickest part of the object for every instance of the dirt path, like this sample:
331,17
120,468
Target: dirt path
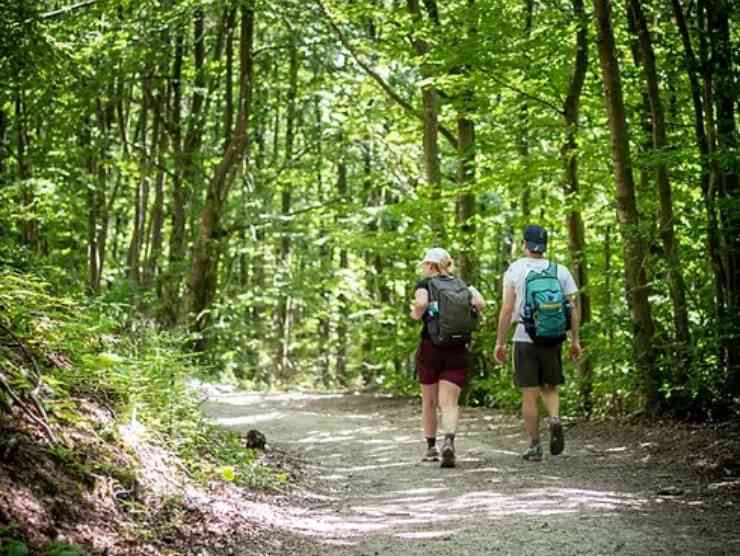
370,494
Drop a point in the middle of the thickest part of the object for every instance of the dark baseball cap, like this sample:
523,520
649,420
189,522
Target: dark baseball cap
535,238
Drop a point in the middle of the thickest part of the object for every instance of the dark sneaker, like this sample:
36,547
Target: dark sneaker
431,455
448,453
557,440
533,453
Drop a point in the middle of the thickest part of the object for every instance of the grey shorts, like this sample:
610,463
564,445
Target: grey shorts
537,365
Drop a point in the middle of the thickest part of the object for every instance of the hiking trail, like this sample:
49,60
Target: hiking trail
366,492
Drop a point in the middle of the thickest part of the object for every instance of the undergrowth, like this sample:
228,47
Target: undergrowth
60,355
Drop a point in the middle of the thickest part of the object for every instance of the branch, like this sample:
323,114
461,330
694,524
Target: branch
379,80
67,9
40,422
527,95
248,225
22,347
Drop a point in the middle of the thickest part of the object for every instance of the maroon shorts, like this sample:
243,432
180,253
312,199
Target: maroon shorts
435,363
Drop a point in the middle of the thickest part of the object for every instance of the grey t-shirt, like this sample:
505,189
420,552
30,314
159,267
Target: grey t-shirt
515,276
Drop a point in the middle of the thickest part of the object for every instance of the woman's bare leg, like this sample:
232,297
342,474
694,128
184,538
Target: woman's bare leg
429,403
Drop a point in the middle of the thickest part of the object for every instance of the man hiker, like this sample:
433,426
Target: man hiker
540,296
448,309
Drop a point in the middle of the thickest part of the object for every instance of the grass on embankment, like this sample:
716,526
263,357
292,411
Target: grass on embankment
102,446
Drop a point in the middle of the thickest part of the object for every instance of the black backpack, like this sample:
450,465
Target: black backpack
453,318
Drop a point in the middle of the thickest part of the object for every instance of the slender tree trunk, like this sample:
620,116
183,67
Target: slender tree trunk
203,277
92,212
371,279
575,226
325,257
285,302
341,361
465,204
466,199
171,283
105,122
523,131
616,399
156,219
141,193
665,213
431,108
634,255
29,225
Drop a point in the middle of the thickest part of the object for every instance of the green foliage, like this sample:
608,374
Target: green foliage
14,548
309,284
104,351
63,549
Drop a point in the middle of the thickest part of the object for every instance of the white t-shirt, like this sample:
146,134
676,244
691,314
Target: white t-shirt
514,278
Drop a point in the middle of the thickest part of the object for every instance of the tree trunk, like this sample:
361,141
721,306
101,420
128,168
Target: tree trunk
575,226
523,139
156,219
171,283
431,107
29,225
465,204
285,302
634,255
341,361
203,277
665,213
142,192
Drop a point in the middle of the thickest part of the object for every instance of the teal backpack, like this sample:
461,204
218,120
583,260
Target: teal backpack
546,311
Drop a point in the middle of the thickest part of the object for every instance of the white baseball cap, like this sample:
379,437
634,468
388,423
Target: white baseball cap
435,255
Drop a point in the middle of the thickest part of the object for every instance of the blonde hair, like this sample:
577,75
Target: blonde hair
445,266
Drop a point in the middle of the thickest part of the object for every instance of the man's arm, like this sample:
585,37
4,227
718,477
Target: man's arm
575,323
504,322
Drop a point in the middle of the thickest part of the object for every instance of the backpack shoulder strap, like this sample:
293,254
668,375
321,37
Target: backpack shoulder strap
433,289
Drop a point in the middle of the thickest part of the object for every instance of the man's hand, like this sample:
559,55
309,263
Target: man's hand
500,353
575,350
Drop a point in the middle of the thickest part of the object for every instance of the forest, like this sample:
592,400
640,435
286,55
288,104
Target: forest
241,191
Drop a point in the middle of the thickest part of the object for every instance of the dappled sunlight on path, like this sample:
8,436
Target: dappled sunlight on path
370,493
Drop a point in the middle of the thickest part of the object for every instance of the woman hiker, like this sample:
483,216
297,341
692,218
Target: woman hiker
442,369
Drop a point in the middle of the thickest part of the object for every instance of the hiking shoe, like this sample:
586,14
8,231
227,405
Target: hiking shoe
557,440
448,453
431,455
533,453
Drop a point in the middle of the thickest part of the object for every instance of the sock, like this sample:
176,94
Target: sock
534,442
450,437
554,420
431,442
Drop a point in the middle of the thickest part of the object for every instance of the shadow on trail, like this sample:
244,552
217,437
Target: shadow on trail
372,495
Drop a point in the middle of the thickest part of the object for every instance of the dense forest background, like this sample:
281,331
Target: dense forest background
260,179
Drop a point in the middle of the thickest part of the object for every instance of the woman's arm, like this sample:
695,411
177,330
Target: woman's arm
420,303
478,302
